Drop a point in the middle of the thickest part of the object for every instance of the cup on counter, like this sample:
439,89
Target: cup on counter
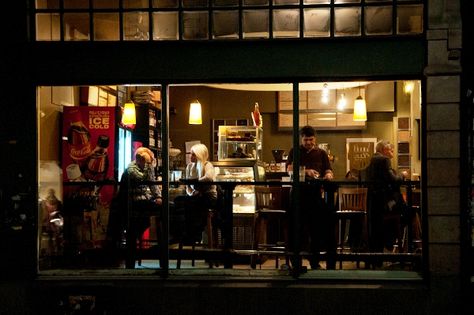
302,173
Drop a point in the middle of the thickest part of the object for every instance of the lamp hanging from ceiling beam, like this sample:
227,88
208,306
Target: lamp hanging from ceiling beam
195,113
129,116
360,109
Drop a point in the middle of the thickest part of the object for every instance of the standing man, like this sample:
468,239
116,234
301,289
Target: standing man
316,218
384,197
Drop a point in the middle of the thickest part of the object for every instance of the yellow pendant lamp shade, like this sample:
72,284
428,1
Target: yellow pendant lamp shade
360,109
195,113
129,116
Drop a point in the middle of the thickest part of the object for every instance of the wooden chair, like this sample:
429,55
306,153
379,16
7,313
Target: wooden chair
352,206
271,206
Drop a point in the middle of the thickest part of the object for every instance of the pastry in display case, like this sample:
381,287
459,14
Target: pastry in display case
239,143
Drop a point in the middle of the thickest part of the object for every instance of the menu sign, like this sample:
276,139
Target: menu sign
359,152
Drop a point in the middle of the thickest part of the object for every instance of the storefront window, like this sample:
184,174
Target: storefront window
87,221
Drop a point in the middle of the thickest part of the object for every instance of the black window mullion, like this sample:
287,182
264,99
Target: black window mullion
270,19
241,20
91,22
150,20
301,19
121,20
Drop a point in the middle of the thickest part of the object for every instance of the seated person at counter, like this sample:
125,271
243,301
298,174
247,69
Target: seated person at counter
385,200
145,199
199,198
315,218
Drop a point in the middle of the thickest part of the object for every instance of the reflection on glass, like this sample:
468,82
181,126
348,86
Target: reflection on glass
47,27
76,26
378,20
105,4
255,24
316,22
409,19
106,26
347,21
316,1
226,24
286,23
165,3
220,3
75,4
255,2
51,4
135,26
195,25
165,26
284,2
194,3
135,4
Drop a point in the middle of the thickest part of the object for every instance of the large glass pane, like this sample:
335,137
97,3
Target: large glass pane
165,3
165,25
317,22
378,0
47,27
220,3
135,26
76,26
105,4
47,4
255,2
255,24
346,1
196,25
135,4
378,20
316,1
285,2
226,24
75,4
106,26
409,19
195,3
286,23
347,21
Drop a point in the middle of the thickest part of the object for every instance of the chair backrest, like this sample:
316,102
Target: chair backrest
272,198
352,199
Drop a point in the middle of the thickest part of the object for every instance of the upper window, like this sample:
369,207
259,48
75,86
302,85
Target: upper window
158,20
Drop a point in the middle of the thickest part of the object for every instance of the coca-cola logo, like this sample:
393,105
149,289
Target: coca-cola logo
78,152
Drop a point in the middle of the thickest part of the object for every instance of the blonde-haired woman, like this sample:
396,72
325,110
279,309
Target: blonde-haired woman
200,196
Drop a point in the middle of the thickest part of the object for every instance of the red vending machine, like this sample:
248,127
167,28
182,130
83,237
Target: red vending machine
87,158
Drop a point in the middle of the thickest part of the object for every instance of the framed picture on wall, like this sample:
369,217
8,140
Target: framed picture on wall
359,151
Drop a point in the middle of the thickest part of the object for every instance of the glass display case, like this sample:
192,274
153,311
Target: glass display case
244,201
238,143
241,171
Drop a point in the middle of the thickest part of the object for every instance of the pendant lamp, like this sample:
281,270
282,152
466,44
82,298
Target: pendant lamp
195,113
360,109
129,116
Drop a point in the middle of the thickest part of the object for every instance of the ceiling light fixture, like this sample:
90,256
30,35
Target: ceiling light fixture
360,109
195,113
325,94
129,116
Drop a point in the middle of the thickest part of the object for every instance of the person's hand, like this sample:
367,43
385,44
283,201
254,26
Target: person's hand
404,175
329,176
312,173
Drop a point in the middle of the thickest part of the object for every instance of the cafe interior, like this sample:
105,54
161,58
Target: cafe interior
248,129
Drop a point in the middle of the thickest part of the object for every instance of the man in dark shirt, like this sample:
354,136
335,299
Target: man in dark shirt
384,196
315,217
